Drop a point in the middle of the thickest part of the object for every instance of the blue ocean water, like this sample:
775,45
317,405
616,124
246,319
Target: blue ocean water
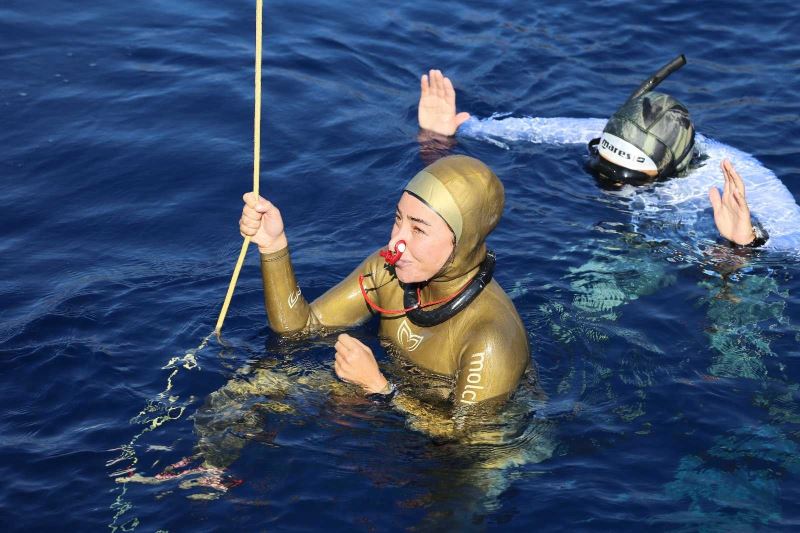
671,375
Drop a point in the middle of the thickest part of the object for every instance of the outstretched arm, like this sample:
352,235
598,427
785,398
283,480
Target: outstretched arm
731,213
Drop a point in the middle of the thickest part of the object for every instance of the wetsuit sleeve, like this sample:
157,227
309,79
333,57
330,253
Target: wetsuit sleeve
490,368
287,309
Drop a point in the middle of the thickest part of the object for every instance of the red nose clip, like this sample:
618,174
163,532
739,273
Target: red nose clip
393,257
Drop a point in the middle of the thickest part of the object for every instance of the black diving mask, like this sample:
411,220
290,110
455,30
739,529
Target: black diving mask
605,170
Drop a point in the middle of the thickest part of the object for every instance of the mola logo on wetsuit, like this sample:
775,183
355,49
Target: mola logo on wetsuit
294,298
406,338
473,377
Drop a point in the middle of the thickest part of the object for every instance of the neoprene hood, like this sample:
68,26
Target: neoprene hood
470,198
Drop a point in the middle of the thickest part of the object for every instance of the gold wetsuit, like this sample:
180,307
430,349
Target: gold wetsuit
483,349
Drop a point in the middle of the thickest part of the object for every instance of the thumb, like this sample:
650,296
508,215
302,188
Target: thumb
714,198
263,205
359,343
461,118
345,339
350,340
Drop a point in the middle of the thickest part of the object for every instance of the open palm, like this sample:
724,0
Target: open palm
437,105
731,213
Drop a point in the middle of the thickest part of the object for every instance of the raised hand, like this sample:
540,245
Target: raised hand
262,222
731,214
437,105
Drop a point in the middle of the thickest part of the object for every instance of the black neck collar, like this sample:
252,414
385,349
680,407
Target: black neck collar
448,310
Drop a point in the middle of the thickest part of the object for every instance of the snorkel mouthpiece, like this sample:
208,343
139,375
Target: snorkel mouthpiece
392,257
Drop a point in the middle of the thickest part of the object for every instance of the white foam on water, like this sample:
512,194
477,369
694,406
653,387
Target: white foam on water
679,201
556,130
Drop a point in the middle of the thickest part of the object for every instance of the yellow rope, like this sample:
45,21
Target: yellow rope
256,167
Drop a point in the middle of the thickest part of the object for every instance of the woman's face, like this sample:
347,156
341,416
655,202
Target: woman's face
429,240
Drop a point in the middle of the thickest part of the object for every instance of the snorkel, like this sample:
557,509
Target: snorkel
653,81
650,137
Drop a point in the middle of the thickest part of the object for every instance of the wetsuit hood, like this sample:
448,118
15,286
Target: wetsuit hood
470,198
652,132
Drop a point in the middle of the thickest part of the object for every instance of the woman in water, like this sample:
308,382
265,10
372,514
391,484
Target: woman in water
439,308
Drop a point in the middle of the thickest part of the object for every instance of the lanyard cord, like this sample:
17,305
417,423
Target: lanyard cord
419,304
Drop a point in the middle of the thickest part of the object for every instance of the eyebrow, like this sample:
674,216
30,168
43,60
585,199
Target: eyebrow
412,219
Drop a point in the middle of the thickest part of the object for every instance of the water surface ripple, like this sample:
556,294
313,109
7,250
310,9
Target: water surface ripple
670,371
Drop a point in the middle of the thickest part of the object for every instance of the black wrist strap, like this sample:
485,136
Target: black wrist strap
760,238
384,397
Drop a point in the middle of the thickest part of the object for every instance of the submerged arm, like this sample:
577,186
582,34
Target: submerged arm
490,369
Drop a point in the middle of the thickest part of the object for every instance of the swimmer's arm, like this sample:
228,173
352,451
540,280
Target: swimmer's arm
343,305
287,309
758,237
490,369
356,364
433,147
262,223
463,423
421,416
289,312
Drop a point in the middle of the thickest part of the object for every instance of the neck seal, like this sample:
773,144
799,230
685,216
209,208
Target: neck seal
453,306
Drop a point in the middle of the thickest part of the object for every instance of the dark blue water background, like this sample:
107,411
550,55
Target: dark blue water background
127,143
